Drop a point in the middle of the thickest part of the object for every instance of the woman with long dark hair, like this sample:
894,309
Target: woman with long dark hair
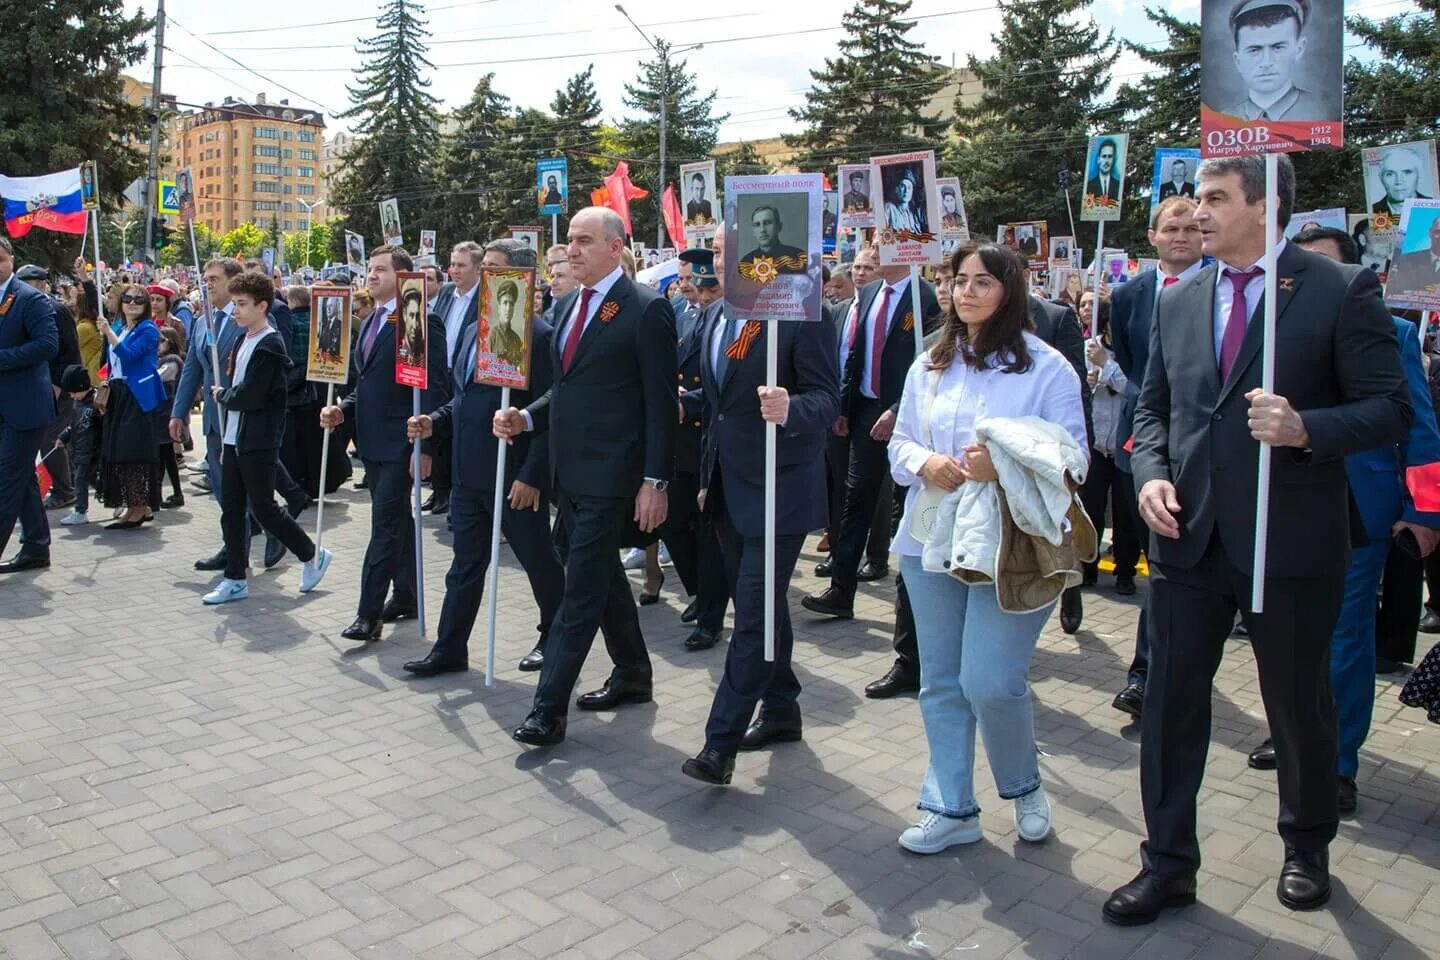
129,447
974,655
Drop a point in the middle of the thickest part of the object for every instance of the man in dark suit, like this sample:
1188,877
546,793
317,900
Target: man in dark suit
381,408
28,342
1419,269
456,308
1176,238
1340,390
1105,185
738,407
611,416
62,489
1400,171
465,422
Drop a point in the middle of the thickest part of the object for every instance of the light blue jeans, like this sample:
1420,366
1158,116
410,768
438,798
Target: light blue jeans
974,659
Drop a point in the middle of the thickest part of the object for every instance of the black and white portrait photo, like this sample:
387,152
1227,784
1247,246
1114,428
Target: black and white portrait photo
1271,61
698,184
390,222
764,232
1399,172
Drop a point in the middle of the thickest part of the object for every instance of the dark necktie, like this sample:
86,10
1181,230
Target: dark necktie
1234,334
722,359
577,327
877,339
373,334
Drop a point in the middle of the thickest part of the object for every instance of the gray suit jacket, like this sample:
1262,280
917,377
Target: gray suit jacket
198,376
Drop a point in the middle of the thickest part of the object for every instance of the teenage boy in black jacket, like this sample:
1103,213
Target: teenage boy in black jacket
253,428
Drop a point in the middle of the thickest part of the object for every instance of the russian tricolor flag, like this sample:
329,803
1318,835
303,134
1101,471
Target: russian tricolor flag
51,201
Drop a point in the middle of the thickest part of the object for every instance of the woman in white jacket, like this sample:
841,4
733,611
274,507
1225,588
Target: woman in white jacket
974,658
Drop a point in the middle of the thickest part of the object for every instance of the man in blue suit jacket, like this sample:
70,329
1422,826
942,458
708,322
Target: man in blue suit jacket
1378,490
465,421
28,341
738,407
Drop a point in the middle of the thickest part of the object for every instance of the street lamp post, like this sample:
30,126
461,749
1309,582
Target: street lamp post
308,208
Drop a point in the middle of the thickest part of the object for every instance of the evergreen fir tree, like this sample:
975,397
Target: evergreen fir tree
874,99
396,129
575,122
468,172
510,198
743,161
67,104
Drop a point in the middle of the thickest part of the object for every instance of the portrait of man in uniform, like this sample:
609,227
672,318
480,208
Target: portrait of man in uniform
698,210
507,340
1270,40
1401,170
1179,184
857,193
766,228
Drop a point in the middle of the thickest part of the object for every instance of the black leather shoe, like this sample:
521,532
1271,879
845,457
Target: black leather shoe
539,730
901,678
25,561
1072,610
709,766
533,660
1430,623
363,629
1141,900
1125,586
831,603
690,614
1089,574
1240,630
393,612
822,569
764,731
1384,666
1346,797
1263,756
299,507
428,505
441,505
1131,700
870,571
274,552
614,693
650,599
362,484
702,639
173,501
433,665
217,562
1304,880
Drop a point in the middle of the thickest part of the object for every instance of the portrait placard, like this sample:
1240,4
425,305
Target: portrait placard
267,257
390,222
411,369
503,336
530,236
954,225
427,244
1060,248
552,186
1329,217
775,220
1414,277
829,220
1067,285
354,252
327,359
1174,175
906,200
1394,174
1115,268
1104,178
1271,73
854,185
849,245
185,195
697,182
1032,239
89,186
1375,246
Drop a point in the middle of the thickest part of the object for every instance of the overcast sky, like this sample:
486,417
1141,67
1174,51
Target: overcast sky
532,46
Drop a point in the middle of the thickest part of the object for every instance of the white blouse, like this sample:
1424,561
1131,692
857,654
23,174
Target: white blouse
1049,390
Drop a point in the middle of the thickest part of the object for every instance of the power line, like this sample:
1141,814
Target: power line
332,23
293,93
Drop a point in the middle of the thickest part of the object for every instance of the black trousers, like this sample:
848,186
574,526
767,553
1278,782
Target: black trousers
1128,498
1191,613
249,490
864,488
441,477
1398,619
390,554
597,593
528,531
690,537
837,455
1104,487
19,491
748,678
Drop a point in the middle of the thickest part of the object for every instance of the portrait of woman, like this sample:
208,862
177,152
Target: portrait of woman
905,207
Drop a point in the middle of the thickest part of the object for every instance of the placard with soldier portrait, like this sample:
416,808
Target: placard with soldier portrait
503,335
427,244
327,357
390,222
1067,285
411,305
854,186
1060,248
1032,239
772,224
1334,217
1394,174
697,186
89,186
1414,277
552,186
1104,178
354,252
530,236
906,199
185,195
1271,75
1175,169
954,225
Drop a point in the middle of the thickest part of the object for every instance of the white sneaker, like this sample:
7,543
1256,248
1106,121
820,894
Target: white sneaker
634,560
74,519
226,591
935,832
665,556
314,570
1032,815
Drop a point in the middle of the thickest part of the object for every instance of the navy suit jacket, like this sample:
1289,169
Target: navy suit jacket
443,300
690,349
197,377
899,349
29,340
467,420
378,406
734,437
1132,305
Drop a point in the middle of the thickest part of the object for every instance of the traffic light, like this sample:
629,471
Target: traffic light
161,233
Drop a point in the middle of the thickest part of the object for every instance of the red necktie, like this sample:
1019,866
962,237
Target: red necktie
877,340
1239,317
1169,281
577,327
852,324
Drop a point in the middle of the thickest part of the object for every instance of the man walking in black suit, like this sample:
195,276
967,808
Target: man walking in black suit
738,406
62,489
381,408
465,421
1340,389
611,416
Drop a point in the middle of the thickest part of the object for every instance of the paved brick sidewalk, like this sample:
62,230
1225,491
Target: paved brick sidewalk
239,783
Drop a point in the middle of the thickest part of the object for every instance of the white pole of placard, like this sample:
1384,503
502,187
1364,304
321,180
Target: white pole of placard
1267,384
211,333
772,377
554,228
324,464
917,320
419,529
493,576
99,279
1099,269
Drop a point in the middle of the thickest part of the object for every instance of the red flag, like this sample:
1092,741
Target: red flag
42,477
674,218
1423,482
618,192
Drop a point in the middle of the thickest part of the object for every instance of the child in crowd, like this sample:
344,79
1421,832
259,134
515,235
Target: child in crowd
172,360
82,437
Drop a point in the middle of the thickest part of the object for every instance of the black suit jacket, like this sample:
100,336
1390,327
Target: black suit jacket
690,352
1167,190
1336,361
378,405
612,416
1057,325
69,352
1412,271
443,301
899,352
1092,188
28,342
1132,305
734,437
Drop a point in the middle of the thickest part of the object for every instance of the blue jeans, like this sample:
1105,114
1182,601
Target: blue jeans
1352,653
974,659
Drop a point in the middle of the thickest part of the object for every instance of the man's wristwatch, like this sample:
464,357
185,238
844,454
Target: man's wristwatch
659,486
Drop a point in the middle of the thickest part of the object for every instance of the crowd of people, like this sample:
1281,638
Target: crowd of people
991,463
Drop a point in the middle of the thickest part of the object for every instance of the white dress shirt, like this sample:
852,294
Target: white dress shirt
455,319
897,298
846,332
602,290
1225,295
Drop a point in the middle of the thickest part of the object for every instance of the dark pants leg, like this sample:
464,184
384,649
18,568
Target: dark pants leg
81,476
390,555
680,531
234,516
1103,489
529,534
864,485
1399,618
877,547
170,465
597,594
748,678
214,448
1125,491
19,491
440,472
251,483
1191,614
57,460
